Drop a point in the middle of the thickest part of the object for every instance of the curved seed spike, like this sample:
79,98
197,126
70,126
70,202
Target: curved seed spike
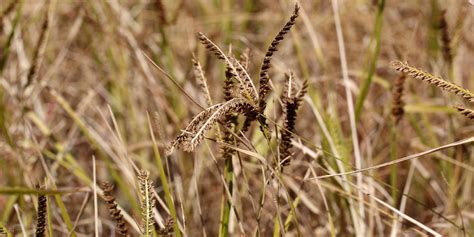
437,81
469,113
246,84
201,79
41,218
264,86
211,46
114,212
234,68
291,103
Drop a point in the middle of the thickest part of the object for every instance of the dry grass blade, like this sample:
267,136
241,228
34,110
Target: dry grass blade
41,216
264,86
172,80
437,81
469,113
454,144
147,203
212,47
114,212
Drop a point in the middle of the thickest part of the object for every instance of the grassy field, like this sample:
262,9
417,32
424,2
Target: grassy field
236,118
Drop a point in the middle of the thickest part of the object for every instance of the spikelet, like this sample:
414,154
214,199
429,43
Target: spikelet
234,69
247,87
41,218
469,113
230,119
264,85
213,48
445,39
228,85
201,79
168,229
193,135
147,203
437,81
291,101
245,59
192,127
397,99
114,212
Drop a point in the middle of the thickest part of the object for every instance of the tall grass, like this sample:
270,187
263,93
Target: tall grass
341,118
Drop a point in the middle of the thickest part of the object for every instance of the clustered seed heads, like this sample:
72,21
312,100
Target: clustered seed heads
291,100
204,121
264,75
445,39
247,101
114,212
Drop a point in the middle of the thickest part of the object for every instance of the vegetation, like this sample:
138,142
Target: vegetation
136,118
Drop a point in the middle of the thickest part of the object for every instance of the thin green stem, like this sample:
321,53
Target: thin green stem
375,51
226,202
164,182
